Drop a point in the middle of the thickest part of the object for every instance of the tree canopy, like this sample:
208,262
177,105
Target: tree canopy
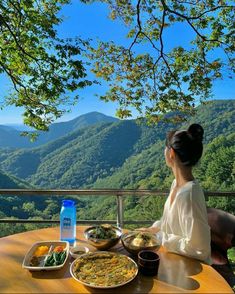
146,75
43,68
150,76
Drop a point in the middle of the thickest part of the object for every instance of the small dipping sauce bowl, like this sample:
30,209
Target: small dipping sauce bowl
148,262
78,251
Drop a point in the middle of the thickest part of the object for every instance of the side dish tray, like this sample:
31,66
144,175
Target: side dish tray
46,255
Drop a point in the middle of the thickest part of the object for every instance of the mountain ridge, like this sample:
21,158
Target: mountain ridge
10,137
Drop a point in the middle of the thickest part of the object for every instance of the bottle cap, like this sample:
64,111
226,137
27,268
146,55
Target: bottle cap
68,203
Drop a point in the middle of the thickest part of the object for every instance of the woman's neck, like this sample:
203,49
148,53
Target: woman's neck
182,175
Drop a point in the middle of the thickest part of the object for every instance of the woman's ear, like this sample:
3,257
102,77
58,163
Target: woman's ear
172,154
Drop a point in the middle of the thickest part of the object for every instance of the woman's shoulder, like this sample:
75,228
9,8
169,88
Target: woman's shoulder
190,190
196,187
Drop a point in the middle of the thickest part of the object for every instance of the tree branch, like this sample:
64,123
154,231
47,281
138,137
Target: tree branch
161,32
210,10
189,2
13,79
15,39
16,82
15,6
194,17
167,8
138,23
162,48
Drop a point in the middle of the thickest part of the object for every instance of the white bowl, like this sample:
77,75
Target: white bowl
78,250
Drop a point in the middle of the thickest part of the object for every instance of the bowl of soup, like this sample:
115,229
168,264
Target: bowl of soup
136,241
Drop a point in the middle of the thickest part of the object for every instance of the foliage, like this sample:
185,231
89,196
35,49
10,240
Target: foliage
147,75
151,76
43,69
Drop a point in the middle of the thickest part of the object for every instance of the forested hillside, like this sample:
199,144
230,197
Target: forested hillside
87,156
9,181
123,154
83,156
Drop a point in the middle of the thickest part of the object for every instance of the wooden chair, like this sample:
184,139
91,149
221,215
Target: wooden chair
222,238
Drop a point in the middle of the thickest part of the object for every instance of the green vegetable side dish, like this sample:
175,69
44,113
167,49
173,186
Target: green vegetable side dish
56,258
103,232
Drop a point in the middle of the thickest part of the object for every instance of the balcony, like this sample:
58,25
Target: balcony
120,196
120,205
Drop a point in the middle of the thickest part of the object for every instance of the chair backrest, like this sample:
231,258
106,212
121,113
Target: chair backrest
222,228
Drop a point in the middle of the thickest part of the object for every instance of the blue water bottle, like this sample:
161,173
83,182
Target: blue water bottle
68,221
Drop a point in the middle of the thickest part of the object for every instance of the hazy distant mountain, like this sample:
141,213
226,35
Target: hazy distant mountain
7,128
19,127
10,136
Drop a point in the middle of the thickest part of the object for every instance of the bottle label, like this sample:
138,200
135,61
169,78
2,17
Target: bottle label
67,223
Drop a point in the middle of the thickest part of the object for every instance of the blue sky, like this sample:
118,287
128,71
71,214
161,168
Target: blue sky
92,21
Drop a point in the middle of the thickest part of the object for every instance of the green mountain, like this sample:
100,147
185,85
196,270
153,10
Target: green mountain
10,137
81,157
100,155
148,169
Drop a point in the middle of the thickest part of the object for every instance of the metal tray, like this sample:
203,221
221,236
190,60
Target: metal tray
51,244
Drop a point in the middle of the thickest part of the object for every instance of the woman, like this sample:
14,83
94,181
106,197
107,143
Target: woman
184,225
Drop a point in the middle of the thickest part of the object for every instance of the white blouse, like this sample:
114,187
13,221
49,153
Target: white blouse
184,224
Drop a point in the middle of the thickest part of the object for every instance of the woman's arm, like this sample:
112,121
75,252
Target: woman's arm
152,229
193,244
155,228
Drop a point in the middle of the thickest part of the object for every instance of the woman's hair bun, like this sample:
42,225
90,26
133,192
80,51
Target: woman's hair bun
196,131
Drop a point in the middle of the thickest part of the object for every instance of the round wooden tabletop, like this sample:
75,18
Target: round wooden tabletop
176,273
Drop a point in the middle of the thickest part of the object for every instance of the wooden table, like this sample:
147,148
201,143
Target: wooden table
176,273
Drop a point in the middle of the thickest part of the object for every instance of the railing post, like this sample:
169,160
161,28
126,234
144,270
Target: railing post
120,211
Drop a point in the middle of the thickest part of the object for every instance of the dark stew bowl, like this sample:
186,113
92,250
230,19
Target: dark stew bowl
103,237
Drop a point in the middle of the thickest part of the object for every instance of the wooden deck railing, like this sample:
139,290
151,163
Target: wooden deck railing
118,193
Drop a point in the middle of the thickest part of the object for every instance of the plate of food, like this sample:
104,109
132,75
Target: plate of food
47,255
103,269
